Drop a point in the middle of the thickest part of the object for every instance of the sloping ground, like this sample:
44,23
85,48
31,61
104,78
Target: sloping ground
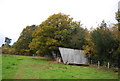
0,66
24,67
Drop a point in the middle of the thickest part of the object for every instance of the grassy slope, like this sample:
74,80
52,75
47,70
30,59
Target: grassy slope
39,68
0,66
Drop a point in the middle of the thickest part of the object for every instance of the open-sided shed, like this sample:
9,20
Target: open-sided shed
73,56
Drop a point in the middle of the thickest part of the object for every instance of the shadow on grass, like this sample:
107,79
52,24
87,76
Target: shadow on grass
42,59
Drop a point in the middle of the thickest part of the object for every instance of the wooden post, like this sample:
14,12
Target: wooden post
98,64
108,65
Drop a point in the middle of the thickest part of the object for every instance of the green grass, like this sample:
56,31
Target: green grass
0,66
39,68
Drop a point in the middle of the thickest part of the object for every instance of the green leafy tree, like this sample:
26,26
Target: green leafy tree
53,33
78,33
23,41
104,44
6,47
116,51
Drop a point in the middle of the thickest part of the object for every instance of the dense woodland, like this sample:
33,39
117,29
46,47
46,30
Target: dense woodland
59,30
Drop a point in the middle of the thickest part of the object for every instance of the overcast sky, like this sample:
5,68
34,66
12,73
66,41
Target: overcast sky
17,14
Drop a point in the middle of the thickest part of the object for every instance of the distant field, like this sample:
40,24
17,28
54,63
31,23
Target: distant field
25,67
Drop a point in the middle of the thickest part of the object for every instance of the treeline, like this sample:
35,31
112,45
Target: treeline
59,30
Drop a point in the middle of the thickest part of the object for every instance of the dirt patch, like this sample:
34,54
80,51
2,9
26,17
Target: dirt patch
55,62
63,67
41,66
19,72
20,59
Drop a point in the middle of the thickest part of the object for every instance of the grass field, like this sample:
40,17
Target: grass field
0,66
26,67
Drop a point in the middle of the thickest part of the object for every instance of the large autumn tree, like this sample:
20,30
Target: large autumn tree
54,32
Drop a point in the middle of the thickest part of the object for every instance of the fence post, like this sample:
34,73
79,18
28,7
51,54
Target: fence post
98,64
108,65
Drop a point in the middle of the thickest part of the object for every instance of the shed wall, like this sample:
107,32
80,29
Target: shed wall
73,56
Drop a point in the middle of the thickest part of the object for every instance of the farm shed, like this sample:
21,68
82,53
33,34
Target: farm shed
73,56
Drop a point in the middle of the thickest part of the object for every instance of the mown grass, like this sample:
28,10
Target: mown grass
25,67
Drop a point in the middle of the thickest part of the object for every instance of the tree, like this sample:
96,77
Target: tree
88,46
22,44
7,40
6,47
104,44
116,36
77,37
117,17
53,33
